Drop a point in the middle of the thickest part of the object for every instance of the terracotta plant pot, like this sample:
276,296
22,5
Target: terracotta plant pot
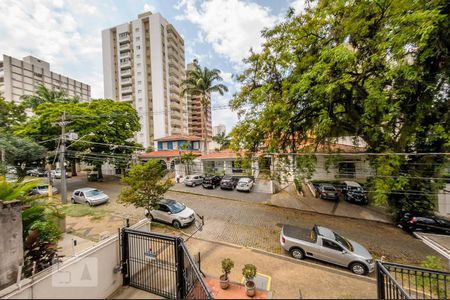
251,289
224,282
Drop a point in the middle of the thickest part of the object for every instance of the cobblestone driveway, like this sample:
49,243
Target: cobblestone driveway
258,225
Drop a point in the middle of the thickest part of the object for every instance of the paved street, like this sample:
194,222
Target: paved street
258,225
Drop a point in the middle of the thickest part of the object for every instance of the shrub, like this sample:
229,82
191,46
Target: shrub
249,272
227,265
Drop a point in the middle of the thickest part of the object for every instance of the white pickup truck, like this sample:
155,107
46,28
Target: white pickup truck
323,244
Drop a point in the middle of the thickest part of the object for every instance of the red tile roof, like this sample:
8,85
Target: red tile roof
221,154
166,153
179,138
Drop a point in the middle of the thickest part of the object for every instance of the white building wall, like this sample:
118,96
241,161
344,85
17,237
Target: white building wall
108,65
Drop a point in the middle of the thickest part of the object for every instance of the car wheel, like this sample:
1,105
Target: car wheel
176,224
358,268
73,200
89,203
297,253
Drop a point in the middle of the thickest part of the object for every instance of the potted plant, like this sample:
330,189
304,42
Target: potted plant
249,272
227,265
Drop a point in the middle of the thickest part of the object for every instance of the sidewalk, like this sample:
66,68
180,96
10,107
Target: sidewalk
288,276
291,199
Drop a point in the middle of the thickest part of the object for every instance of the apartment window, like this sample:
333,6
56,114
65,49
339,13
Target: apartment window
138,56
138,38
139,99
123,35
139,91
136,29
138,65
138,47
139,73
139,82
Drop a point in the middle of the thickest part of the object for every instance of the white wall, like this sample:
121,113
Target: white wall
106,254
444,201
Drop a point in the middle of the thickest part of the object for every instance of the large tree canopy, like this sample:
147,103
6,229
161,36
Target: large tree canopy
105,129
374,69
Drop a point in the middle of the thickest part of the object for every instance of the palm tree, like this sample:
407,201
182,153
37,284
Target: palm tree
223,140
201,82
187,159
44,95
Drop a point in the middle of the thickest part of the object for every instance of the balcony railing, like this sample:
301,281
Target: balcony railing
396,281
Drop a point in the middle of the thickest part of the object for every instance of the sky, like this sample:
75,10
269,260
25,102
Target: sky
67,34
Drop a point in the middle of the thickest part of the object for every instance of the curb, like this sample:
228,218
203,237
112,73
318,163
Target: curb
290,259
291,208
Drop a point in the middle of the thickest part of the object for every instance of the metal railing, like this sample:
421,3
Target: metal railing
396,281
194,285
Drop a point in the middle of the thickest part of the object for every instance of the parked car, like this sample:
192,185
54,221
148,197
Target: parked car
228,182
211,182
323,244
37,172
172,212
11,170
245,184
58,173
327,191
416,222
193,180
89,196
353,192
42,190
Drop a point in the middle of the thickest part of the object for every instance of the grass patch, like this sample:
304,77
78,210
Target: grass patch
80,210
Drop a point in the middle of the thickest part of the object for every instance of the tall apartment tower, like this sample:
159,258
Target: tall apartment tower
21,77
143,64
195,120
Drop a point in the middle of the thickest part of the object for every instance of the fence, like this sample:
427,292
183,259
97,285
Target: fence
406,282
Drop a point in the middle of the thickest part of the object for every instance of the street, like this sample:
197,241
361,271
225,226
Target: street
258,225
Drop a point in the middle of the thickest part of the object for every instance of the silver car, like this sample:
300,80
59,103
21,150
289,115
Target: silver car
324,244
193,180
89,196
42,190
172,212
57,173
245,184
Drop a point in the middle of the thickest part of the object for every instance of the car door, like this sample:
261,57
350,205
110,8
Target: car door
332,252
162,213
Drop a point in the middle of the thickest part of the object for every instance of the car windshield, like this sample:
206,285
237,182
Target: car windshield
329,188
342,241
354,189
175,207
93,193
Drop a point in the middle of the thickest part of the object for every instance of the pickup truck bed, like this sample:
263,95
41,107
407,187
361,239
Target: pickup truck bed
297,232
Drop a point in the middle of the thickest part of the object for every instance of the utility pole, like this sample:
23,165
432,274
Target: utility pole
62,149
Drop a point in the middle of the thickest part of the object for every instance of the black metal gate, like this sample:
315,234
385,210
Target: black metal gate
161,265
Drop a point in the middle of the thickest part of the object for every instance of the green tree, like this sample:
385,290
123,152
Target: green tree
104,126
201,82
146,185
20,152
187,158
44,95
223,140
11,114
378,70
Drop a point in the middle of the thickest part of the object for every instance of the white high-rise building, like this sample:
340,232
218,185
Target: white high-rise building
143,63
219,129
21,77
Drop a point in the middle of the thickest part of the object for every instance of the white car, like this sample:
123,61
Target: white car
42,190
245,184
172,212
57,173
89,196
193,180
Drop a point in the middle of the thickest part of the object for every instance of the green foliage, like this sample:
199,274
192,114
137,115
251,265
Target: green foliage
45,95
187,159
48,231
305,166
227,265
84,210
223,140
378,71
433,262
146,185
11,114
249,271
100,123
15,190
20,152
201,82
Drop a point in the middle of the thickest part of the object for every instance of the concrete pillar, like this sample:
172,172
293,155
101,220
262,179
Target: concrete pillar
11,242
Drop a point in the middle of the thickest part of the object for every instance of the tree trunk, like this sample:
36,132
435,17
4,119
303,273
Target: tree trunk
99,172
74,167
205,134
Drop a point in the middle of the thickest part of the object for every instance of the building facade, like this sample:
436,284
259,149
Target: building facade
143,64
21,77
195,113
219,129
